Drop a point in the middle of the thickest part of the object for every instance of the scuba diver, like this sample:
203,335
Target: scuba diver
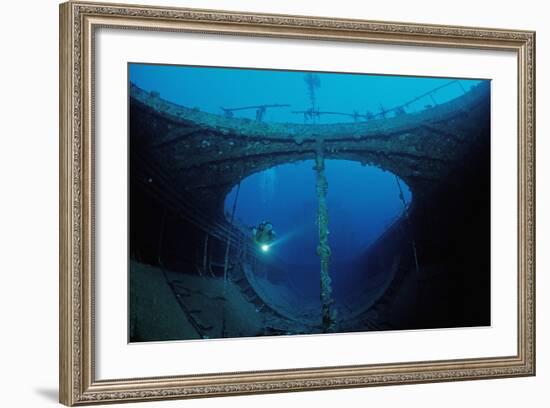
263,234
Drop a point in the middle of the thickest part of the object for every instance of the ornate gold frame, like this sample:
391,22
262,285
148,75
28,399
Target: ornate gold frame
78,22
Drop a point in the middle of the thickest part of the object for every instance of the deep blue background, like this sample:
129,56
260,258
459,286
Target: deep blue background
211,88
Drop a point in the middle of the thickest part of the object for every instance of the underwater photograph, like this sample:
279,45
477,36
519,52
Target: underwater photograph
276,202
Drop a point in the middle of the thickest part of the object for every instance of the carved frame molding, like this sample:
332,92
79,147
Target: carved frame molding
78,22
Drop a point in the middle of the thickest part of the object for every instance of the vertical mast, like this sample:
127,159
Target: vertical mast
313,82
323,248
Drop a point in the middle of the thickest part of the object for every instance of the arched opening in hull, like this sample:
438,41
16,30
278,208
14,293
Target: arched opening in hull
362,201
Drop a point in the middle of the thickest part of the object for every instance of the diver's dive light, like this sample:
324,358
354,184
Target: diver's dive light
265,247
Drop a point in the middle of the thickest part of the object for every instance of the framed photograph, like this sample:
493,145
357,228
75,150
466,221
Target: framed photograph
256,203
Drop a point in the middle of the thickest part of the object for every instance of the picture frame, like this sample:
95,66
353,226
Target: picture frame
79,25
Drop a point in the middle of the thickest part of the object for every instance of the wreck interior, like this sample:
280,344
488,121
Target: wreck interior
196,274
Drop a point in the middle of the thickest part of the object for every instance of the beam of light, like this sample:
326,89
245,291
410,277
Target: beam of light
285,237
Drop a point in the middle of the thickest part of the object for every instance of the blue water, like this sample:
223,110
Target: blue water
209,89
362,202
